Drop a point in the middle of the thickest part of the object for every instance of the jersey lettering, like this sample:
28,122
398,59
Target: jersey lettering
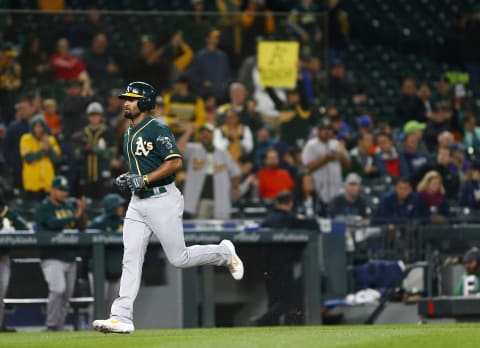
143,147
62,214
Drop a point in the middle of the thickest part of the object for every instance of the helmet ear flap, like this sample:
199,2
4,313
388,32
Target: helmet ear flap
141,104
145,104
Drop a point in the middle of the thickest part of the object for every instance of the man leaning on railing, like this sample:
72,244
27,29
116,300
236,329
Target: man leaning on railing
58,265
401,205
400,211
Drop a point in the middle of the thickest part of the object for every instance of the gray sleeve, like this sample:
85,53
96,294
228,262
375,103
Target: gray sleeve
189,150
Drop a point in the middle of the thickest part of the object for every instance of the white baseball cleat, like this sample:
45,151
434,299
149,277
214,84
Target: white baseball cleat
112,326
236,267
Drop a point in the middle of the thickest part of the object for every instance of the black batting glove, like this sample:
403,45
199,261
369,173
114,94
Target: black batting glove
121,181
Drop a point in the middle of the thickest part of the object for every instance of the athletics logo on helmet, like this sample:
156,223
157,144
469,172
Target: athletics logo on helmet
142,91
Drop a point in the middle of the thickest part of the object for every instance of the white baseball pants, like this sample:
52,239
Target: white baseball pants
162,215
60,277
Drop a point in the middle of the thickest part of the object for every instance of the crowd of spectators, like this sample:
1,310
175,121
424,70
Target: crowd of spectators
242,143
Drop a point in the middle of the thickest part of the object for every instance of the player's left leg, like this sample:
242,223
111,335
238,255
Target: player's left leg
136,235
164,216
54,276
70,271
111,291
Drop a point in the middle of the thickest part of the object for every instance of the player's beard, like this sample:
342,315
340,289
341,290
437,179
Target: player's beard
130,115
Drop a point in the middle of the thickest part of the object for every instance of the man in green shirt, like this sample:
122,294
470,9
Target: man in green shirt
156,207
58,265
470,282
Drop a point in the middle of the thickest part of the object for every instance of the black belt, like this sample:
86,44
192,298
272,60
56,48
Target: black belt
147,193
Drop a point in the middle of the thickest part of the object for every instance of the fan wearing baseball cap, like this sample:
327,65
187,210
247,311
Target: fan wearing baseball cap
349,203
413,126
414,129
469,284
470,190
96,145
365,124
326,158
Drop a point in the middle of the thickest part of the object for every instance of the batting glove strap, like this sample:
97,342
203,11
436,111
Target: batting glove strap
135,182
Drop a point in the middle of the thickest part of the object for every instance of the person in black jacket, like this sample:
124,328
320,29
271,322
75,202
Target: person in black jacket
469,195
409,106
150,66
401,206
11,143
284,295
295,117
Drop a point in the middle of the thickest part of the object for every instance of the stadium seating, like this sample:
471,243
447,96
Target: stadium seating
379,71
415,25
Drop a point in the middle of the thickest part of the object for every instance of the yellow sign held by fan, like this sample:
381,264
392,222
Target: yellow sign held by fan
277,63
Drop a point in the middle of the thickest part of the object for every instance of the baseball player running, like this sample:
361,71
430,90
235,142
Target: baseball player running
156,207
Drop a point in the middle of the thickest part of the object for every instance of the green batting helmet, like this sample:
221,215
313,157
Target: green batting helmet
111,202
142,91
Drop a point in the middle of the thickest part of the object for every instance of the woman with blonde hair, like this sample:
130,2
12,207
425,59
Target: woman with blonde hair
432,191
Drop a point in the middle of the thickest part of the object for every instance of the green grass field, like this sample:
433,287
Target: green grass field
423,336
